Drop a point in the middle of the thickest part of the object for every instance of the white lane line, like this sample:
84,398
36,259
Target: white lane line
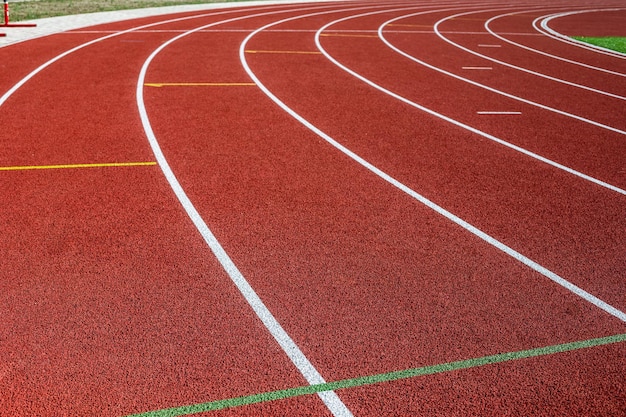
467,80
498,112
457,220
537,51
477,68
545,20
526,70
313,377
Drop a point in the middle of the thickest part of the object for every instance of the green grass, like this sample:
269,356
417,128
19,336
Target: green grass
614,43
36,9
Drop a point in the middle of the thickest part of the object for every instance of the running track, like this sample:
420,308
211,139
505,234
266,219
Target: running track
350,208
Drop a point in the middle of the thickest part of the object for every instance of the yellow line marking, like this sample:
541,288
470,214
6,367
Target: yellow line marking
470,19
71,166
347,35
410,26
284,52
197,84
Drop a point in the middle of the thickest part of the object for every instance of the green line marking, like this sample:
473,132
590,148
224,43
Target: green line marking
615,43
73,166
376,379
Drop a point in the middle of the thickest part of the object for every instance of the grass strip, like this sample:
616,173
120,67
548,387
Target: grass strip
379,378
37,9
614,43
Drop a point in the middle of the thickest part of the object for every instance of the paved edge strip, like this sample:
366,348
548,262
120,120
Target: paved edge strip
384,377
73,166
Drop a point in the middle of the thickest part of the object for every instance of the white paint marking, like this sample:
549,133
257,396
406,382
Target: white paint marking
477,68
498,112
480,45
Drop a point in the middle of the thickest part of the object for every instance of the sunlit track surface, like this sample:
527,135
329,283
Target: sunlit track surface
343,208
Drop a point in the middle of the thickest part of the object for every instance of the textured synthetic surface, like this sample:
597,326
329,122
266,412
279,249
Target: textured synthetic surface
388,215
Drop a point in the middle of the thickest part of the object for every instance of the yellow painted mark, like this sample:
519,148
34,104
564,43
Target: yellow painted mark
469,19
198,84
73,166
284,52
410,26
348,35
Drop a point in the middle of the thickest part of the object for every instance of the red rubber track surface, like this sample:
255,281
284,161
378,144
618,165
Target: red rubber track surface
112,302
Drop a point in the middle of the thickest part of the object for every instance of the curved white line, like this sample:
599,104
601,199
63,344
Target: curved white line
388,178
545,20
515,67
493,90
537,51
313,377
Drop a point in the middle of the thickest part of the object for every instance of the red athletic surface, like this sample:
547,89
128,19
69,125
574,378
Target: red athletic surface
113,304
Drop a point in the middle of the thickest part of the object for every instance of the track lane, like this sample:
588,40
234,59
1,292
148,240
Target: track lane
87,333
308,370
298,222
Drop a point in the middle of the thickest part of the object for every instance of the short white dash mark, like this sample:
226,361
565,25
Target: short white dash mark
477,68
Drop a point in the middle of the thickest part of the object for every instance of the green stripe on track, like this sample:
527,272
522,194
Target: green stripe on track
386,377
